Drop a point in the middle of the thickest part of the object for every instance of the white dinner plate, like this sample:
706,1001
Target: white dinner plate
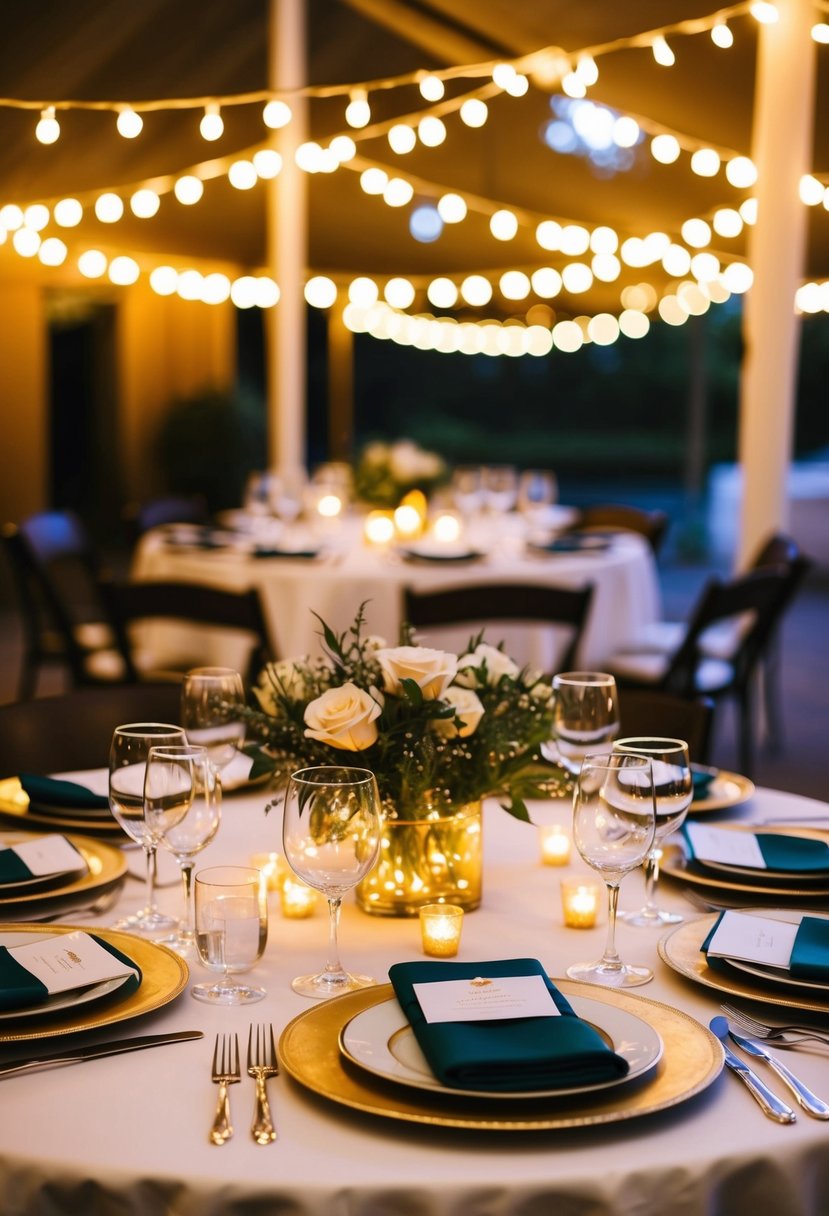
381,1041
774,975
61,1000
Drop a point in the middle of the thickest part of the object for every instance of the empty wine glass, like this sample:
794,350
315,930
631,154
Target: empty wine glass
467,490
537,493
614,820
331,837
585,715
231,931
500,488
128,754
182,801
211,700
674,791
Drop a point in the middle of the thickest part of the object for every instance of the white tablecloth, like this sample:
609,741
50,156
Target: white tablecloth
128,1135
626,590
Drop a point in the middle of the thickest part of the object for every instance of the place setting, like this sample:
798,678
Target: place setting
49,875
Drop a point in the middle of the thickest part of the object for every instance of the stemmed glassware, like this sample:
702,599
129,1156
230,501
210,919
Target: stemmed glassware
537,492
231,931
585,716
331,837
128,754
614,821
500,488
211,698
182,809
674,791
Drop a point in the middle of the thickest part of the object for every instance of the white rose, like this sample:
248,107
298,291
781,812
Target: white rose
344,717
404,460
468,713
498,665
432,670
286,677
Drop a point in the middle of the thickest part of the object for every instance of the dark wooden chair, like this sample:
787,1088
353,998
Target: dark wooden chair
653,524
646,711
65,624
741,614
518,603
141,517
73,731
137,603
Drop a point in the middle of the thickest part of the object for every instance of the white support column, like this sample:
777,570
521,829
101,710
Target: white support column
287,247
783,121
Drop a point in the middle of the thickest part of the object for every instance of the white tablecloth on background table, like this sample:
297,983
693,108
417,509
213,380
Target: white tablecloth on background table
626,589
128,1135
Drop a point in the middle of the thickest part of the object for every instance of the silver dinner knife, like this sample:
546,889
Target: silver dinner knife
769,1102
809,1101
78,1055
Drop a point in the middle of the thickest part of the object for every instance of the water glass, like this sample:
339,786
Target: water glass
231,931
585,715
211,702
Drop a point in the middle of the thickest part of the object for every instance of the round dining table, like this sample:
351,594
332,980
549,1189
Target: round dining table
128,1135
338,571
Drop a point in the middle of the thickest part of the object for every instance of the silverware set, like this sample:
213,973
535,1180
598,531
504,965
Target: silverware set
261,1064
731,1027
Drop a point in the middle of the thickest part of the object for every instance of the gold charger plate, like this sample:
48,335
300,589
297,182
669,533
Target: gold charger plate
727,789
675,865
106,868
309,1050
680,949
164,974
15,808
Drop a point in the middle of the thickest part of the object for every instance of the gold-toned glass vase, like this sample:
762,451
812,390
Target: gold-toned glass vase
436,859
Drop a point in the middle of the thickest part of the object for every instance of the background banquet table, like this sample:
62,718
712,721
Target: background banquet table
626,589
128,1135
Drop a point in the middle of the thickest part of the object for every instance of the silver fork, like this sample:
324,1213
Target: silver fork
784,1035
262,1063
225,1071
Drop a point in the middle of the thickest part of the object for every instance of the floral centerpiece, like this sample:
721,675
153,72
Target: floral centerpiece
385,472
439,731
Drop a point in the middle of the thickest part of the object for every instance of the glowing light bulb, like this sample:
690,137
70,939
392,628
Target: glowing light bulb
36,216
398,192
163,280
748,210
431,131
26,242
503,225
363,292
476,290
243,291
577,278
705,162
442,293
696,232
123,271
665,149
548,235
277,114
374,181
52,252
47,130
215,289
266,294
503,74
11,216
721,35
514,285
109,208
321,292
242,175
567,336
811,190
474,112
604,240
399,293
212,125
402,138
128,123
820,33
741,172
662,53
267,163
573,86
517,86
727,222
144,204
452,208
626,132
676,261
587,70
546,282
358,111
574,239
431,88
92,264
633,324
603,329
764,12
738,277
68,213
188,189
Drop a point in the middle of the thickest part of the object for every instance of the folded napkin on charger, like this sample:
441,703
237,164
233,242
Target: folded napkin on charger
702,779
288,554
55,792
507,1054
773,852
74,958
588,542
801,949
43,858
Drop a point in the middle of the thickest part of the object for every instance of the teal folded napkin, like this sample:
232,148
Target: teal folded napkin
298,554
703,779
505,1055
793,854
12,868
593,542
810,952
62,793
19,989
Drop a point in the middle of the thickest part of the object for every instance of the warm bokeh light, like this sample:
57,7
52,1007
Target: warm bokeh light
431,131
212,125
705,162
546,282
474,112
741,172
242,175
402,138
47,130
163,280
665,148
243,291
267,163
503,225
442,293
144,204
399,293
68,213
696,232
276,114
129,123
321,292
358,111
431,88
398,192
26,242
373,181
109,208
514,285
52,252
36,216
662,53
577,278
452,208
721,35
215,289
123,271
363,291
727,222
476,290
92,264
188,189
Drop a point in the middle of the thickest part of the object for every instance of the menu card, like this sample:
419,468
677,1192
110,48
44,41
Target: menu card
726,847
33,972
480,999
754,939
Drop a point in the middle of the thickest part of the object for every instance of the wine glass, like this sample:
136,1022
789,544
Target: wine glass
182,801
537,493
614,821
231,931
585,715
500,488
467,490
211,700
674,792
331,837
128,754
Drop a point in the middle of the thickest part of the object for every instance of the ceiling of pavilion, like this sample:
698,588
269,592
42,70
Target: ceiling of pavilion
119,50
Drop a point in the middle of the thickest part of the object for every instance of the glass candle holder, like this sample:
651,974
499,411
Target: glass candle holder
296,899
555,845
580,900
440,929
271,867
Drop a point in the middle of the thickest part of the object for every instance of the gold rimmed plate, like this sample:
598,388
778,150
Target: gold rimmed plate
676,865
309,1050
106,869
726,790
681,949
164,974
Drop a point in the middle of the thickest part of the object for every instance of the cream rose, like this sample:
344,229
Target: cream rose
344,717
498,665
432,670
468,713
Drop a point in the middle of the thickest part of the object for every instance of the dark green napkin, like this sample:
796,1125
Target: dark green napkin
12,867
298,554
810,952
593,542
51,791
795,854
703,779
19,988
505,1055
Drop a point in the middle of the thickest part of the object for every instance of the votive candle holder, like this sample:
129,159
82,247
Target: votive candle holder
555,845
296,899
580,900
440,929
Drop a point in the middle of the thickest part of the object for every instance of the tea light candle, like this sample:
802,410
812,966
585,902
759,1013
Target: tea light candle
440,929
271,868
579,902
407,521
447,527
378,528
297,900
555,845
329,506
